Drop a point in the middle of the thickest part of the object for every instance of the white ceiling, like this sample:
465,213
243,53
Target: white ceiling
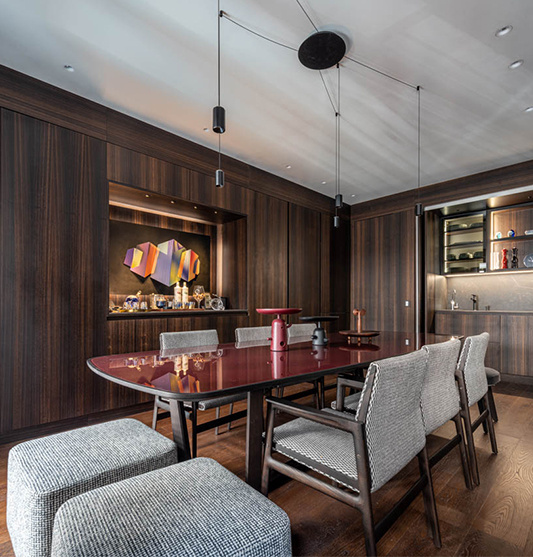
156,60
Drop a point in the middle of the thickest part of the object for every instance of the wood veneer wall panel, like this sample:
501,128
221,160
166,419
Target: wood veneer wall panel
304,260
54,210
268,255
129,167
468,324
517,345
29,96
232,267
383,251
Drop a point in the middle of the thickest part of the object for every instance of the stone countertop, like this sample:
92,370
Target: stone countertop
513,311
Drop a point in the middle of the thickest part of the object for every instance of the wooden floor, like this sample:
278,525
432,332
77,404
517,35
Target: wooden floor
494,519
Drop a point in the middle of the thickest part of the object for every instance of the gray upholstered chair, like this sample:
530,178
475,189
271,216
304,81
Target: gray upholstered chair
301,330
192,340
44,473
473,388
260,336
493,378
195,508
361,452
441,402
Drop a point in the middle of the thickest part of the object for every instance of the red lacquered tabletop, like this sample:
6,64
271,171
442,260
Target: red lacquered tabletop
212,371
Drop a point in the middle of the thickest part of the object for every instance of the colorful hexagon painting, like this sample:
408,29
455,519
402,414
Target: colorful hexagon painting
168,263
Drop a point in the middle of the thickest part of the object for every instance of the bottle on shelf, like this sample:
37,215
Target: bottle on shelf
177,296
184,295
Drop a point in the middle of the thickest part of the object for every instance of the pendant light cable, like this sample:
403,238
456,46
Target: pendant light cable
219,18
307,15
419,137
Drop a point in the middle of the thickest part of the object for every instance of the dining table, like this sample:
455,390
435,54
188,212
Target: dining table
205,372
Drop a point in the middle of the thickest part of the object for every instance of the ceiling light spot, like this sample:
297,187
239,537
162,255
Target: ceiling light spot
353,194
324,183
216,212
516,64
146,195
529,109
68,68
206,129
173,202
195,207
288,166
504,31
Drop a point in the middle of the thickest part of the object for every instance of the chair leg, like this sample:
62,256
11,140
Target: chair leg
155,415
279,392
469,434
194,416
230,412
462,448
429,497
265,476
322,392
490,427
217,416
368,524
492,405
481,405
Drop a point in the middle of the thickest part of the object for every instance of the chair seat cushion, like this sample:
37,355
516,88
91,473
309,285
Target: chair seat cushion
493,376
322,448
210,403
195,508
350,402
44,473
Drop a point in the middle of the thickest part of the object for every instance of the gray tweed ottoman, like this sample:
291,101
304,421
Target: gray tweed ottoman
195,508
44,473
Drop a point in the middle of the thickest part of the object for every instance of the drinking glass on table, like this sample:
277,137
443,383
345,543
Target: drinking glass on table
198,294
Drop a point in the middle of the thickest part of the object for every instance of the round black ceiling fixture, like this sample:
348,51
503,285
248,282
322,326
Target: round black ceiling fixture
322,50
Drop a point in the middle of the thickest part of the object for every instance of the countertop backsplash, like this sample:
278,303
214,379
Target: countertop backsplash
509,292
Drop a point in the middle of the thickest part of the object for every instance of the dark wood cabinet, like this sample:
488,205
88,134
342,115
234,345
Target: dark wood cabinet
383,277
53,276
517,345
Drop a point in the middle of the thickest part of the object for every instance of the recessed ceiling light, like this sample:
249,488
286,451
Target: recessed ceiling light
324,183
195,207
216,212
516,64
529,109
173,202
288,166
206,129
68,68
353,194
146,195
504,31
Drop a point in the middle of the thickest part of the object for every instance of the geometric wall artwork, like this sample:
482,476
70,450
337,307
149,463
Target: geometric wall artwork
168,263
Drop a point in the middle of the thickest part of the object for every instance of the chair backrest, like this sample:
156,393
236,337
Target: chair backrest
302,330
252,334
440,395
472,366
188,339
390,409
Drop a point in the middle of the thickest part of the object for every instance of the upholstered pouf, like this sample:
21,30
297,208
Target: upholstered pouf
44,473
193,509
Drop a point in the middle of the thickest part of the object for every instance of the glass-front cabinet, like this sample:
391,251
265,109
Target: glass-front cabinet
463,246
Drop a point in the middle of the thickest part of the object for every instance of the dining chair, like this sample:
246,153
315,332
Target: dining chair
473,388
493,378
197,339
362,452
302,330
260,336
441,402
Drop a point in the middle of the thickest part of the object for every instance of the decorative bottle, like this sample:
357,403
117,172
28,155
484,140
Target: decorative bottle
505,261
177,295
184,295
514,258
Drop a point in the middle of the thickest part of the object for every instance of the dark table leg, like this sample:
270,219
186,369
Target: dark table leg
254,439
179,430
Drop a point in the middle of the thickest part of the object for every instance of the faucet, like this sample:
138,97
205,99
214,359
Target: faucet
474,302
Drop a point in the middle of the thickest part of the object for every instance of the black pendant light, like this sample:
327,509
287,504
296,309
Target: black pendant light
219,113
338,195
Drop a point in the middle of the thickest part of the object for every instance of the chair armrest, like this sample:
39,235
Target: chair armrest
342,383
339,421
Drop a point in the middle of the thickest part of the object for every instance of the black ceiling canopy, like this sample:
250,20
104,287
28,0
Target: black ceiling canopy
322,50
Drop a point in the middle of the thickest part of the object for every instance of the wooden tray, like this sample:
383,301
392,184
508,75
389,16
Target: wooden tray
356,336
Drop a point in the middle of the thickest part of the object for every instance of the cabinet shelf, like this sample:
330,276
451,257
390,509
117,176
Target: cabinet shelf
465,231
464,245
514,239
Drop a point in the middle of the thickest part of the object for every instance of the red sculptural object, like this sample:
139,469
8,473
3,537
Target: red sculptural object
505,261
279,340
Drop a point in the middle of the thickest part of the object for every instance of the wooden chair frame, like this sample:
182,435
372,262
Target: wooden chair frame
361,500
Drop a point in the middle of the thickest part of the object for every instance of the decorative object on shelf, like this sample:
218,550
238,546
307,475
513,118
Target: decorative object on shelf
198,293
160,301
279,339
465,255
476,225
319,336
528,232
478,255
514,257
528,261
455,227
358,333
505,261
217,303
474,300
451,257
511,233
498,236
495,262
168,263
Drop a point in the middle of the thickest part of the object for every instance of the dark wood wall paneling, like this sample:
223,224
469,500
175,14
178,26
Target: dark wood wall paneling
383,251
55,164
